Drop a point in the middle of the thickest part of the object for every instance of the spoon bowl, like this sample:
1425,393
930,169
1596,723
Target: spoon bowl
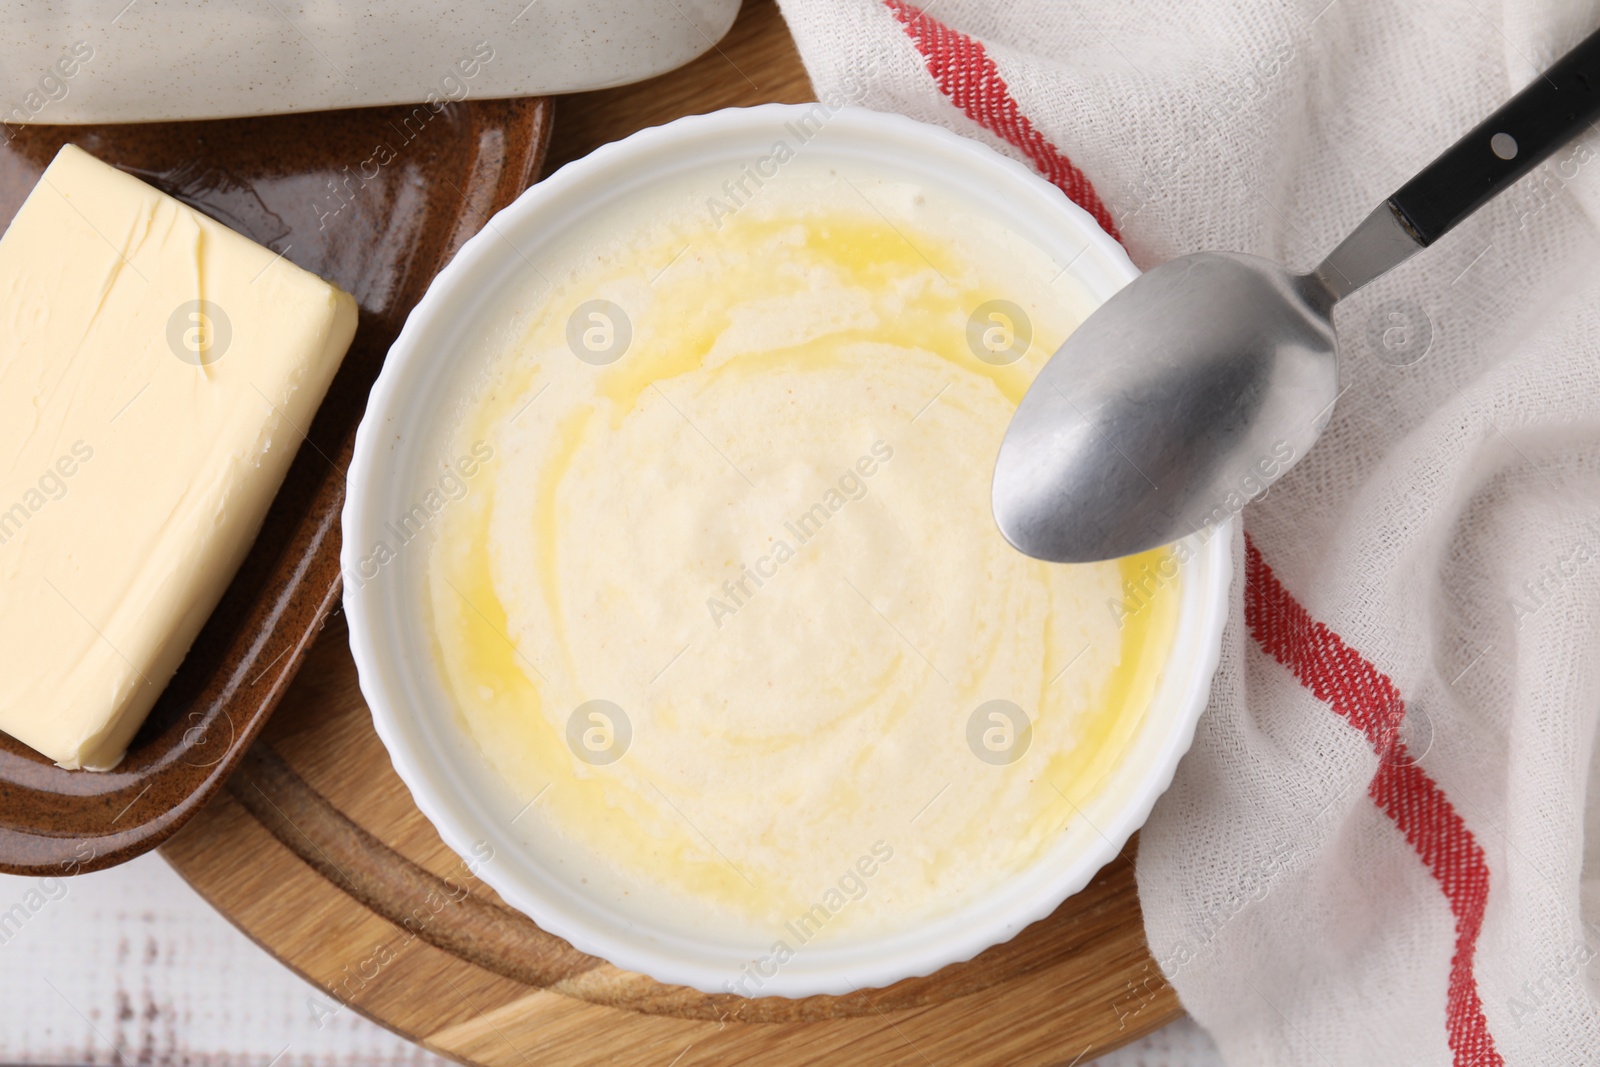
1183,396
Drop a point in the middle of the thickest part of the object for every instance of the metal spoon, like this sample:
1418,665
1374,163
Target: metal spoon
1201,382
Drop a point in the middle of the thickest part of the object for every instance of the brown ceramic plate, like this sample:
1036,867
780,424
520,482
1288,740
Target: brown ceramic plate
376,200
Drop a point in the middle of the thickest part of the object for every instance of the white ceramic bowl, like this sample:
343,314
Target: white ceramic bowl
388,629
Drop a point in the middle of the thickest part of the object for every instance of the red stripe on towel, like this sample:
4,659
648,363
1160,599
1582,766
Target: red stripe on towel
966,74
1338,674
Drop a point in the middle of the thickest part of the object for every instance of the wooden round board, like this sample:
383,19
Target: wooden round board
316,851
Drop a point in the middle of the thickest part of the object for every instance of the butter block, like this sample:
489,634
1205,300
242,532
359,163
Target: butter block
156,372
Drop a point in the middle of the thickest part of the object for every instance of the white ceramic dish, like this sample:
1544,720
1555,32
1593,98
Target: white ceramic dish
197,59
392,646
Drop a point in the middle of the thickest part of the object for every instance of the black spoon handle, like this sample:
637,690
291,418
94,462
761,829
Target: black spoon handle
1558,105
